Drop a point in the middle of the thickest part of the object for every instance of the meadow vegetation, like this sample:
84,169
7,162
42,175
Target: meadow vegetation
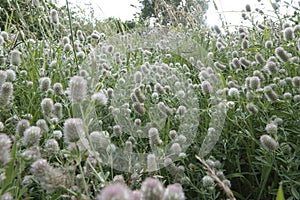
97,110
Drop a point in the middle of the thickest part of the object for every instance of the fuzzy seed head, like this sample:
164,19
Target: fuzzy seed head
54,16
175,148
296,82
11,75
271,128
248,8
47,106
5,147
139,108
269,44
233,92
22,126
164,109
3,76
174,192
42,124
270,94
288,33
78,89
50,178
268,143
138,77
51,146
58,89
245,44
116,191
45,83
260,59
73,130
151,163
206,87
207,181
100,140
58,111
281,54
271,67
100,98
254,83
152,189
32,136
252,108
15,58
6,92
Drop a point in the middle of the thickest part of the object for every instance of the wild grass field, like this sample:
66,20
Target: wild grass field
97,110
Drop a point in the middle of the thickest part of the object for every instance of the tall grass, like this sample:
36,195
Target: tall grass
182,111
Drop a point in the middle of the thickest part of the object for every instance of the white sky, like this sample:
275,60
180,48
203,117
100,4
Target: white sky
122,9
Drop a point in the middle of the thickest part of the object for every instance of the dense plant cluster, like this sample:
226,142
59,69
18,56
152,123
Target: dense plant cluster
165,112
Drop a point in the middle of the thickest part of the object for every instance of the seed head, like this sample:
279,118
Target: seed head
260,59
281,54
5,145
206,87
3,77
117,130
254,83
236,63
245,44
233,92
11,75
174,192
139,96
100,98
47,106
139,108
271,128
175,148
207,181
151,163
57,111
78,89
138,77
80,55
116,191
164,109
68,47
248,8
270,94
45,83
288,33
42,124
54,16
22,126
268,44
73,130
100,140
268,143
271,67
152,189
50,178
51,146
32,136
252,108
246,63
296,82
6,92
15,58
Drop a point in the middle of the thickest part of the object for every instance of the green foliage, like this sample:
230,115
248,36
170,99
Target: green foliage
106,54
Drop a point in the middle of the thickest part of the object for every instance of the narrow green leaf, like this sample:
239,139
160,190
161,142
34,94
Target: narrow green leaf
280,195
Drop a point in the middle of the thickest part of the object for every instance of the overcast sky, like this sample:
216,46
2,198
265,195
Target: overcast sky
122,9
